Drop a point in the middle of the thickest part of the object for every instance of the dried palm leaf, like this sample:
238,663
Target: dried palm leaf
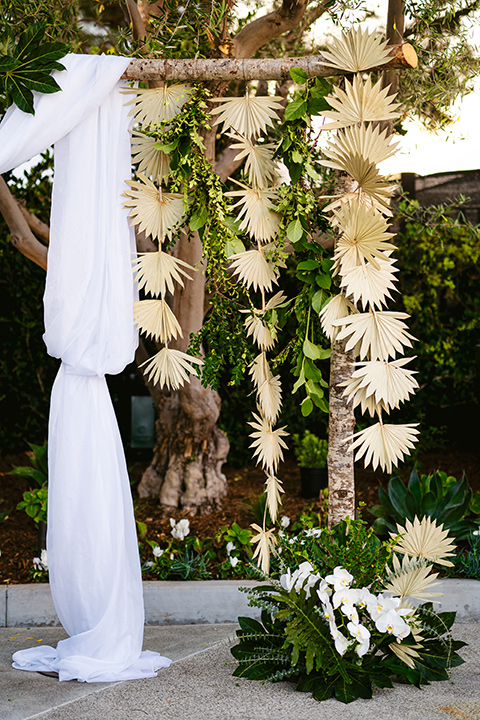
268,443
406,653
377,333
156,213
367,284
364,236
371,187
157,272
337,307
425,539
254,269
259,163
384,445
273,487
356,50
151,161
156,319
248,115
154,105
275,301
367,141
411,579
360,102
262,333
259,370
256,209
266,542
170,368
270,397
381,384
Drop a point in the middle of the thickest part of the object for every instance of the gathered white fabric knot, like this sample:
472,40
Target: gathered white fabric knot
93,559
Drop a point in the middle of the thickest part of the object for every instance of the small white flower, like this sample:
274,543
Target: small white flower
360,633
230,547
286,580
341,642
393,623
313,532
157,551
364,596
148,564
233,561
181,529
344,595
323,592
285,521
40,563
378,606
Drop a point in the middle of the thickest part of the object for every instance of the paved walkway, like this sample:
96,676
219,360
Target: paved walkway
199,686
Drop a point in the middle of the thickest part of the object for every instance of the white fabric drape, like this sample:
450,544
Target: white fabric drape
92,547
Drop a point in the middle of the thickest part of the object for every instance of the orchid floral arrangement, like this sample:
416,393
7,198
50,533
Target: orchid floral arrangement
338,631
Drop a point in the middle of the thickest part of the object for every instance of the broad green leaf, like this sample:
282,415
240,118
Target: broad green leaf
317,105
22,97
298,75
39,82
312,372
166,148
428,504
307,265
300,381
306,407
234,246
30,38
198,219
295,109
295,231
319,300
314,352
8,63
296,157
324,281
397,492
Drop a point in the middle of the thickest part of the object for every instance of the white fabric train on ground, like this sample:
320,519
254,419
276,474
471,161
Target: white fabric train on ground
92,546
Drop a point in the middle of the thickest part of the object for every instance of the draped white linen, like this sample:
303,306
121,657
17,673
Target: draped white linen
92,547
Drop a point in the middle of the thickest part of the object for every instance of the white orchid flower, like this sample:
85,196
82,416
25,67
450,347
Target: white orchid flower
344,596
364,597
340,579
286,580
392,622
381,604
341,642
324,592
350,611
360,633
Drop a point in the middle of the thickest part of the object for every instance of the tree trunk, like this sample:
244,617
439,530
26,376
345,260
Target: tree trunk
341,421
186,469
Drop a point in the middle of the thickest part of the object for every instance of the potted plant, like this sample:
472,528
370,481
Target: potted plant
311,453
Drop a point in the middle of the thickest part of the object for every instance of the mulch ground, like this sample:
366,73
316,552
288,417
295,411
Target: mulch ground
18,534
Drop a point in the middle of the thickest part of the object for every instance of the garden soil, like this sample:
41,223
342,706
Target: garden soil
18,534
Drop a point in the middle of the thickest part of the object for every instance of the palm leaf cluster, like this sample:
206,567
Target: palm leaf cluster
363,255
159,214
246,118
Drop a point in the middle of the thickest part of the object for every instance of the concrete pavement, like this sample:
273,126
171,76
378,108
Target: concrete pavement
199,686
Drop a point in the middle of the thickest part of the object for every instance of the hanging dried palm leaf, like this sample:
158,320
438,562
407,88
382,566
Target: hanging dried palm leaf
247,115
359,102
156,213
170,368
367,284
152,162
384,445
363,238
256,210
338,307
273,487
372,145
259,163
157,272
254,269
356,50
154,105
380,334
268,443
387,384
156,319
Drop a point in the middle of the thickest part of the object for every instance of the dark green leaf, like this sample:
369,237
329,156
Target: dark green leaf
324,281
22,97
298,75
397,492
308,265
295,109
319,300
428,504
306,407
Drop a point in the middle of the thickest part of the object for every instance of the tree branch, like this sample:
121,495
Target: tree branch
21,236
36,225
261,31
310,17
139,30
403,56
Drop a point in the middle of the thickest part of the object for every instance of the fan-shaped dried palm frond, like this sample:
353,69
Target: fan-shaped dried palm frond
406,653
156,319
254,269
248,115
156,213
385,384
369,285
269,395
359,102
273,487
356,50
259,370
154,105
337,307
378,333
371,187
425,539
262,333
364,236
151,161
170,368
384,445
266,542
157,271
268,443
259,163
411,579
367,141
256,208
275,301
